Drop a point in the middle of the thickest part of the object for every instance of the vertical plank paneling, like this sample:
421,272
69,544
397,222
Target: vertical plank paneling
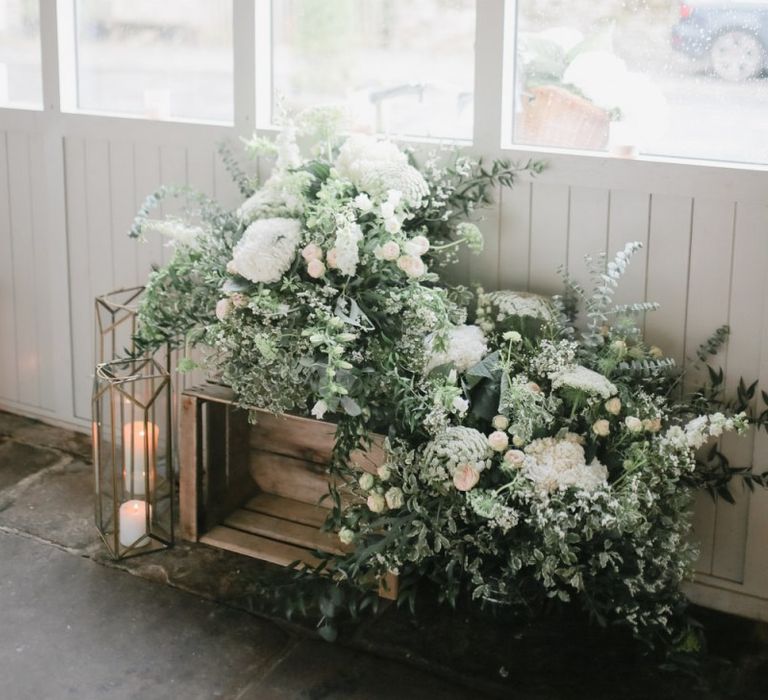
200,169
549,236
667,278
173,171
748,291
9,385
515,233
79,272
42,247
123,209
484,266
708,294
587,229
22,235
627,223
226,191
146,181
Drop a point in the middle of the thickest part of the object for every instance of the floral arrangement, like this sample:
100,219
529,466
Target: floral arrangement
532,457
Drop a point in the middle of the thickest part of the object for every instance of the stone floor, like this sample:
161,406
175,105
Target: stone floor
181,623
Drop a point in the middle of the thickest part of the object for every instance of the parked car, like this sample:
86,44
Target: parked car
731,36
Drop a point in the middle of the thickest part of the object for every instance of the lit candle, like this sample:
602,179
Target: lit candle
137,445
133,523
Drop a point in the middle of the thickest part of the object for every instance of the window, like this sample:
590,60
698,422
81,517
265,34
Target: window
21,82
160,60
396,66
649,76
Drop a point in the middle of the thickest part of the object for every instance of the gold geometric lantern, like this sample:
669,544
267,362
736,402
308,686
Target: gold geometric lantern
132,456
116,322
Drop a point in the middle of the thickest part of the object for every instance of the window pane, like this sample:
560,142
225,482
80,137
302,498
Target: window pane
648,76
397,66
160,60
21,82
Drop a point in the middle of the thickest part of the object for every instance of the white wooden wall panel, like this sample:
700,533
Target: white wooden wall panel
9,382
550,204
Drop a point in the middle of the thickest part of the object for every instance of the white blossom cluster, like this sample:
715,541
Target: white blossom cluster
267,249
494,308
584,379
464,347
557,464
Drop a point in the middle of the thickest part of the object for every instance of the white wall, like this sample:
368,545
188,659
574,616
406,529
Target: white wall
70,185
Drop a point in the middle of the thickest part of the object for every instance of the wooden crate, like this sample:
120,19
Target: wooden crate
258,489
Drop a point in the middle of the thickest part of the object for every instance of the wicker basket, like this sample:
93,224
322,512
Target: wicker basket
553,116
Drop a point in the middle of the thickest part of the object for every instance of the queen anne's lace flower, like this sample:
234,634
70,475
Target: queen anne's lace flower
456,446
557,464
584,379
267,249
464,347
499,306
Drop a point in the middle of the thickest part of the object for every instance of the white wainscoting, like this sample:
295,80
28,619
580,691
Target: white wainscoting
70,185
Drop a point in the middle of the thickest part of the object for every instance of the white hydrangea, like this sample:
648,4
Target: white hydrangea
348,237
456,446
584,379
267,249
465,346
377,166
557,464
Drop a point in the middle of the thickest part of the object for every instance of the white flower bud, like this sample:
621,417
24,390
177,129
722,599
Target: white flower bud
312,251
315,269
514,458
366,481
601,427
384,472
634,424
498,440
330,258
363,202
613,406
500,422
346,536
376,503
392,225
412,266
394,498
460,405
388,251
417,246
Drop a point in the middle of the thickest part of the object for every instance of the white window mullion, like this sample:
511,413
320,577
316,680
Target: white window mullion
244,49
489,74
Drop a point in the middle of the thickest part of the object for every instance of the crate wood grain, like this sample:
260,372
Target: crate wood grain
260,489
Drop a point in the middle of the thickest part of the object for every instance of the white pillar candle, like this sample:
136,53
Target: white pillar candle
133,523
137,445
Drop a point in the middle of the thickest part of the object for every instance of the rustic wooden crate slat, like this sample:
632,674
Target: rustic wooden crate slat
258,490
287,508
291,532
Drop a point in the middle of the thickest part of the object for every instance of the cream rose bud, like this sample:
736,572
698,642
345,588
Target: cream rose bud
633,423
330,258
315,269
601,427
500,422
223,308
418,246
394,498
465,477
392,225
388,251
384,472
514,458
366,481
412,266
613,406
517,441
312,251
363,202
346,536
376,503
652,425
498,440
460,405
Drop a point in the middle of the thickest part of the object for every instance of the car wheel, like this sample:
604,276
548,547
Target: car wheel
737,55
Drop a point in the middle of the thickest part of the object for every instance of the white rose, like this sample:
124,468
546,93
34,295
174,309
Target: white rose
634,424
613,406
363,202
376,503
465,477
392,225
460,405
500,422
601,427
330,258
384,472
319,409
312,251
388,251
394,498
223,308
315,269
417,246
346,536
366,481
514,458
498,441
412,266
